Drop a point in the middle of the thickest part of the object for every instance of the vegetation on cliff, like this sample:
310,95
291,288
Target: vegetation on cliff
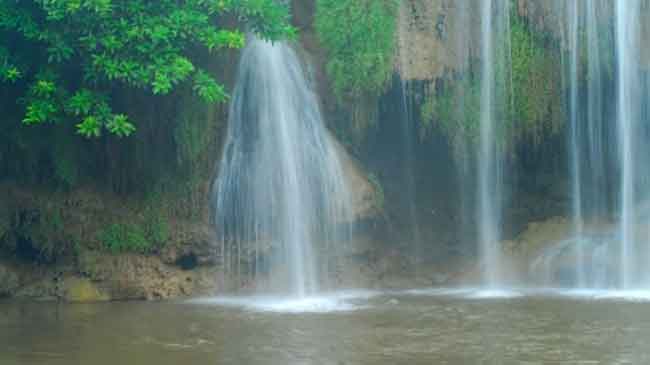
531,106
79,76
359,37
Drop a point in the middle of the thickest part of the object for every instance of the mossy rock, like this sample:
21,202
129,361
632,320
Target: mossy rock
79,290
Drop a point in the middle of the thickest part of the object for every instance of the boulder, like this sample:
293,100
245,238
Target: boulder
81,290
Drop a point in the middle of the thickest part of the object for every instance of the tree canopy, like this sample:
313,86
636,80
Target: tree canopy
64,56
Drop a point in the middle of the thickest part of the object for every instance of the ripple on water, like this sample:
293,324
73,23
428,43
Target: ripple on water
468,293
603,294
331,302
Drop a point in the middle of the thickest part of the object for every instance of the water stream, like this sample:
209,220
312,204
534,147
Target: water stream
495,23
608,173
281,200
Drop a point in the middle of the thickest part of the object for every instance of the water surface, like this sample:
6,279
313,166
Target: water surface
420,327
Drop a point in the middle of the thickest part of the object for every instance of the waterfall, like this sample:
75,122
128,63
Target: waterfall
604,179
281,204
627,45
463,147
408,127
575,139
494,36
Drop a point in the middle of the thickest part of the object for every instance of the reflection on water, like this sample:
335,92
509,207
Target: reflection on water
409,328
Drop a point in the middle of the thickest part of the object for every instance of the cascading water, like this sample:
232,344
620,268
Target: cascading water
282,205
586,42
575,138
494,32
408,126
464,158
627,46
608,171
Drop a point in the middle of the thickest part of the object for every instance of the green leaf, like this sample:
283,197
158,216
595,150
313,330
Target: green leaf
120,126
81,102
207,88
89,127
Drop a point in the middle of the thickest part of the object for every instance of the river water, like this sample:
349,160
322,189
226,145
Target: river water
428,327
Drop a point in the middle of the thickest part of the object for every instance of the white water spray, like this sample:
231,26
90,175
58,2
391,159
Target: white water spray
281,200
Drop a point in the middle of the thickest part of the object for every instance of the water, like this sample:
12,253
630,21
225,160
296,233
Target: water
494,49
408,171
463,146
281,200
575,138
608,173
429,328
627,28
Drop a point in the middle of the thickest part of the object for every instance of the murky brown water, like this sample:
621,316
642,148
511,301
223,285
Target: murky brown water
387,329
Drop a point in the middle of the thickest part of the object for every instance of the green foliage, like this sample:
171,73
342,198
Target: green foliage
457,110
152,233
129,43
156,226
359,36
528,89
9,72
536,90
125,237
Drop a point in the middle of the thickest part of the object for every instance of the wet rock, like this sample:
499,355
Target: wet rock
135,277
195,248
537,234
80,290
9,281
427,35
45,288
365,200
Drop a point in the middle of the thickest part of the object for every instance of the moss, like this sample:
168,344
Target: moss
536,86
156,226
146,233
125,237
530,99
456,110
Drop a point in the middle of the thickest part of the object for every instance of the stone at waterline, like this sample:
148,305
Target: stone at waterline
79,290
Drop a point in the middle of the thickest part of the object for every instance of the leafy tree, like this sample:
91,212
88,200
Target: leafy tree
65,56
359,36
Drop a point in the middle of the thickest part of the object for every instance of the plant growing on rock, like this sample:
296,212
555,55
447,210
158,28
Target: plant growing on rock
531,104
359,36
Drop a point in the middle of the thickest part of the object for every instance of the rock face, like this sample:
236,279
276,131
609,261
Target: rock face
429,36
9,281
132,277
193,248
430,32
365,198
105,277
